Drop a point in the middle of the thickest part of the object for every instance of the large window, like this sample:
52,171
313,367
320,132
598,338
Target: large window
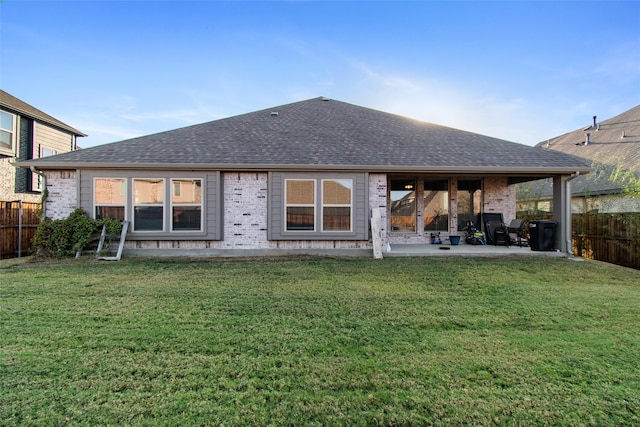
336,204
403,205
186,204
148,204
318,206
436,205
302,209
171,206
300,196
110,198
7,130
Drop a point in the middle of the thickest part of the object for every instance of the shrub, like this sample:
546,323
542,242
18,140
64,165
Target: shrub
66,237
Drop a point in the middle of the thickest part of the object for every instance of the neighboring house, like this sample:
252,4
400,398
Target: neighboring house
27,133
613,147
299,177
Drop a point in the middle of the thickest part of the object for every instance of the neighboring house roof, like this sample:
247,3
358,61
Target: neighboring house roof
322,134
606,142
613,148
10,102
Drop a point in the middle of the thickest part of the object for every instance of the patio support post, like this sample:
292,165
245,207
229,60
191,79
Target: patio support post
562,212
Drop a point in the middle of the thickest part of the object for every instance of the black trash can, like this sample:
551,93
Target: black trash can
542,235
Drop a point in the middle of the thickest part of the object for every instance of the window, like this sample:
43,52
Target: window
186,205
148,204
469,202
336,204
318,206
300,195
7,130
46,152
436,205
403,205
110,197
171,206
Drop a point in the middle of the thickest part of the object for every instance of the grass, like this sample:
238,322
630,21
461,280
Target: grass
320,341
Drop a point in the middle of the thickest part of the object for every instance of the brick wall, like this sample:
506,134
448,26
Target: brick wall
245,211
499,197
63,197
8,184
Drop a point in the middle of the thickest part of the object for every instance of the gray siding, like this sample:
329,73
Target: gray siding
276,215
212,203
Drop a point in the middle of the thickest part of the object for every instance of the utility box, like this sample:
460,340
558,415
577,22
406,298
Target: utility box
542,235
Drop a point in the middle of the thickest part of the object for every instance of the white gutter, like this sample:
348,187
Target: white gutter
44,189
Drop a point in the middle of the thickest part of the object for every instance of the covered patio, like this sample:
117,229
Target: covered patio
409,250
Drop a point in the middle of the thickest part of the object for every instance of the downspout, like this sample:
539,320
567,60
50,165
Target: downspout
44,191
567,213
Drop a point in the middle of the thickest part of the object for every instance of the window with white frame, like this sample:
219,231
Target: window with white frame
46,151
186,205
318,206
337,202
110,198
300,197
148,204
7,130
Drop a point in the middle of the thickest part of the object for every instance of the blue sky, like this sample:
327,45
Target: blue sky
521,71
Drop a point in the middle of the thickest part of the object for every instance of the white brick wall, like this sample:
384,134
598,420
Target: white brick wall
63,197
8,184
245,211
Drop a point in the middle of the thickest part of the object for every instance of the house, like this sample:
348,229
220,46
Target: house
613,148
27,133
300,177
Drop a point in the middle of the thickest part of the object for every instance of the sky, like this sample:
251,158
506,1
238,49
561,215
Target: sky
516,70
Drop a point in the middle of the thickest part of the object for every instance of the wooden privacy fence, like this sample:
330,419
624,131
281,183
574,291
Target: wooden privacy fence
613,238
17,231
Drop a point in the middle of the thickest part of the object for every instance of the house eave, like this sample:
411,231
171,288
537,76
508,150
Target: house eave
537,171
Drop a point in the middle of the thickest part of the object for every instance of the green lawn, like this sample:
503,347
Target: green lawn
320,341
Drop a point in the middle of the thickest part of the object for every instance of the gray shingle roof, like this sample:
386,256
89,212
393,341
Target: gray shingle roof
10,102
606,144
318,133
607,149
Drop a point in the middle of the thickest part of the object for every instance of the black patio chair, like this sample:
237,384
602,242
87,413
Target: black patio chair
496,230
516,228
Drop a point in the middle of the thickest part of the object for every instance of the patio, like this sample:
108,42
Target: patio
404,250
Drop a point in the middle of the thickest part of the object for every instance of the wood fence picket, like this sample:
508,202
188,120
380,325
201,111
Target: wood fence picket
10,228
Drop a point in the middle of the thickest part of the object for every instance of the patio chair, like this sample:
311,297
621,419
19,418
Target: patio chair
496,230
516,229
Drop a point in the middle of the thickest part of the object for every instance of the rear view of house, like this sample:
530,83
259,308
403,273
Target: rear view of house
299,177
